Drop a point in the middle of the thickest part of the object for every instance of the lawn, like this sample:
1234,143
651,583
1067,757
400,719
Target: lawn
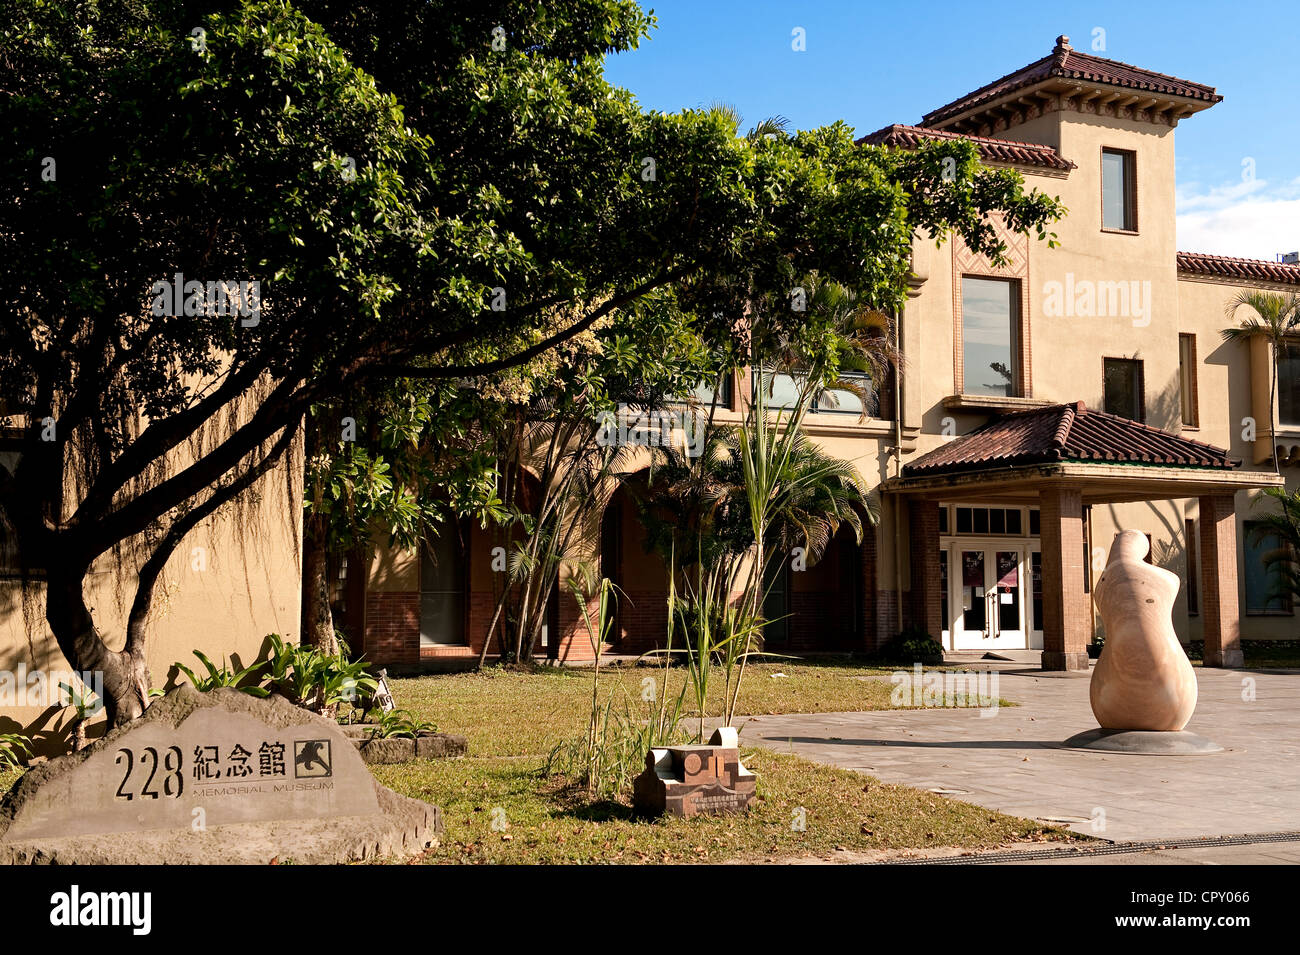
499,806
523,712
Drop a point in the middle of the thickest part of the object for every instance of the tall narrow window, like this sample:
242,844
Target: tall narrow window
990,336
1118,190
1193,570
1123,387
1288,384
442,588
1187,380
1264,578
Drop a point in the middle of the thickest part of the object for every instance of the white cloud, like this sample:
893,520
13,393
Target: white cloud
1253,219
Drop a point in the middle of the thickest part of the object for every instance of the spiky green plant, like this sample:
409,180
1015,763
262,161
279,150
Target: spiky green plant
1276,318
1283,527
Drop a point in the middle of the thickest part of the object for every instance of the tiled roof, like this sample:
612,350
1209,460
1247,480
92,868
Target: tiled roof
991,150
1065,62
1066,433
1226,267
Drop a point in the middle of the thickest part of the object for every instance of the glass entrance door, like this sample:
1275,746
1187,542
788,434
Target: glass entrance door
987,593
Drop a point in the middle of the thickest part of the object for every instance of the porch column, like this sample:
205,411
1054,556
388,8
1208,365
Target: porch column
1219,614
926,602
1065,605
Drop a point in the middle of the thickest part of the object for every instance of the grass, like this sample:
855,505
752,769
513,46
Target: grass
499,807
526,711
540,820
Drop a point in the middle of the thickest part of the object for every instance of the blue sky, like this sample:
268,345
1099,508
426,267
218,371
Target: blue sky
872,64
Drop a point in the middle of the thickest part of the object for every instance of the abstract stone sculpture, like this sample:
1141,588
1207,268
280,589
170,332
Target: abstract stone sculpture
687,780
1143,680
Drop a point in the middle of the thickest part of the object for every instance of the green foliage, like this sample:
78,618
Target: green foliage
913,645
382,170
390,724
1282,528
13,746
316,680
619,735
243,680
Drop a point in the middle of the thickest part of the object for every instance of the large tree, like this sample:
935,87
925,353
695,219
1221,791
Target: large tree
435,189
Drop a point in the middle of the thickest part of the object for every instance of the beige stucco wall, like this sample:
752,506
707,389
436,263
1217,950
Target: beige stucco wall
235,579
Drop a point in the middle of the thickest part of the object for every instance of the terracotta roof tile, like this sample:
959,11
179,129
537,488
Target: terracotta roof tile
1066,62
1066,433
1226,267
991,150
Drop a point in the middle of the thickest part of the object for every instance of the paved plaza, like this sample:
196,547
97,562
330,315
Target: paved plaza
1012,761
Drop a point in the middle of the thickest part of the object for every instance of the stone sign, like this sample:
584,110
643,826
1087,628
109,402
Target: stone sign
688,780
205,763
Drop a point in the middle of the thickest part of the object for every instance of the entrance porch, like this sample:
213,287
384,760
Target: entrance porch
1059,460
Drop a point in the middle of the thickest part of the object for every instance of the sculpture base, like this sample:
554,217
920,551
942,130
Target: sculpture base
1143,743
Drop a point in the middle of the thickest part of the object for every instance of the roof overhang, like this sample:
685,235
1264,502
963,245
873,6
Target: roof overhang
1056,94
1097,483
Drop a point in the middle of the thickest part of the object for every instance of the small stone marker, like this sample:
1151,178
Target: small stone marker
383,696
212,777
688,780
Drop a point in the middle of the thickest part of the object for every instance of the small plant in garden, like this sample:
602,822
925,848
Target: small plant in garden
913,645
12,747
396,724
224,676
314,680
618,736
86,704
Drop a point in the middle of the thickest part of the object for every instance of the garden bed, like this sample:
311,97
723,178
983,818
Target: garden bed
379,750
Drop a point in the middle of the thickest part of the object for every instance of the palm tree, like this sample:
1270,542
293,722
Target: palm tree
1276,318
1283,527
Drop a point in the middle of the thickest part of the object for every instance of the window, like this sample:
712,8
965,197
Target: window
1187,380
704,392
989,520
11,563
990,336
1193,570
782,393
843,401
442,588
1288,384
1123,387
1263,576
1118,190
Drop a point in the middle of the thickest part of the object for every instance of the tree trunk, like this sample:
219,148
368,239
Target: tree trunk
126,673
317,619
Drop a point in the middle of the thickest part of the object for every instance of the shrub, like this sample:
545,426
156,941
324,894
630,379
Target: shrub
223,676
13,746
913,645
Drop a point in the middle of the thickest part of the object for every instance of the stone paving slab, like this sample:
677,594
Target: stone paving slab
1013,761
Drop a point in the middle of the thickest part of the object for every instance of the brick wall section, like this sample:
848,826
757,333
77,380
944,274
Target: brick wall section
1066,616
482,605
643,619
1219,612
870,627
392,628
925,599
886,622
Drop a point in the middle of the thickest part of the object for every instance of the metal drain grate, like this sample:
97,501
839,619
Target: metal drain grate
1110,849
